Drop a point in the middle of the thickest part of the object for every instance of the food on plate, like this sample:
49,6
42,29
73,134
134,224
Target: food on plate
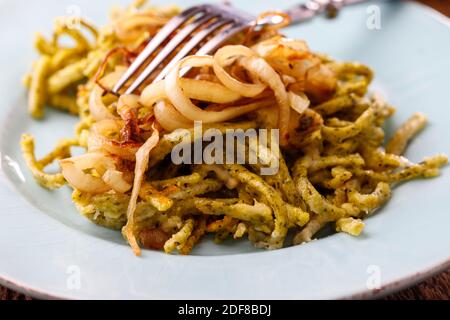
332,166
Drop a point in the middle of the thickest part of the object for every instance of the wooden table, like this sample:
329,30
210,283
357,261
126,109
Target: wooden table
440,5
437,287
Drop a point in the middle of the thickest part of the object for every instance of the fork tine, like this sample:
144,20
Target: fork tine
169,48
216,41
191,44
159,38
219,38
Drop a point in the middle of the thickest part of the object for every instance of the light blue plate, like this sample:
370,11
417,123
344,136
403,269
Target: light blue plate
48,250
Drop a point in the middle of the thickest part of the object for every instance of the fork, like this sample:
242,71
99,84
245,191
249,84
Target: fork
219,22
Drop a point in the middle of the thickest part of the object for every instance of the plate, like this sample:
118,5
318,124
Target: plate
48,250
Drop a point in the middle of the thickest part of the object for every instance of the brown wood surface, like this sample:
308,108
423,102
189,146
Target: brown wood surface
440,5
437,287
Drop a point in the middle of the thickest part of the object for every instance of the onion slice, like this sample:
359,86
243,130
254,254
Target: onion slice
127,102
115,180
226,56
169,118
194,89
153,93
184,105
82,181
142,157
98,139
210,91
261,69
96,106
298,101
73,171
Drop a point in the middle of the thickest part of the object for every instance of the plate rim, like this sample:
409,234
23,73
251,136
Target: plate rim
385,290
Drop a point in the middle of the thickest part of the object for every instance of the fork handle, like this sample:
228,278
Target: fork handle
312,8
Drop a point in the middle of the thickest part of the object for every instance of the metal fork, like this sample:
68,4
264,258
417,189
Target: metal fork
219,22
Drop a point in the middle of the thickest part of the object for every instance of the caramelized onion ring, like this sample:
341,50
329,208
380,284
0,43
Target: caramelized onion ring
169,118
73,171
298,101
183,104
261,69
226,56
98,139
96,106
114,179
195,89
